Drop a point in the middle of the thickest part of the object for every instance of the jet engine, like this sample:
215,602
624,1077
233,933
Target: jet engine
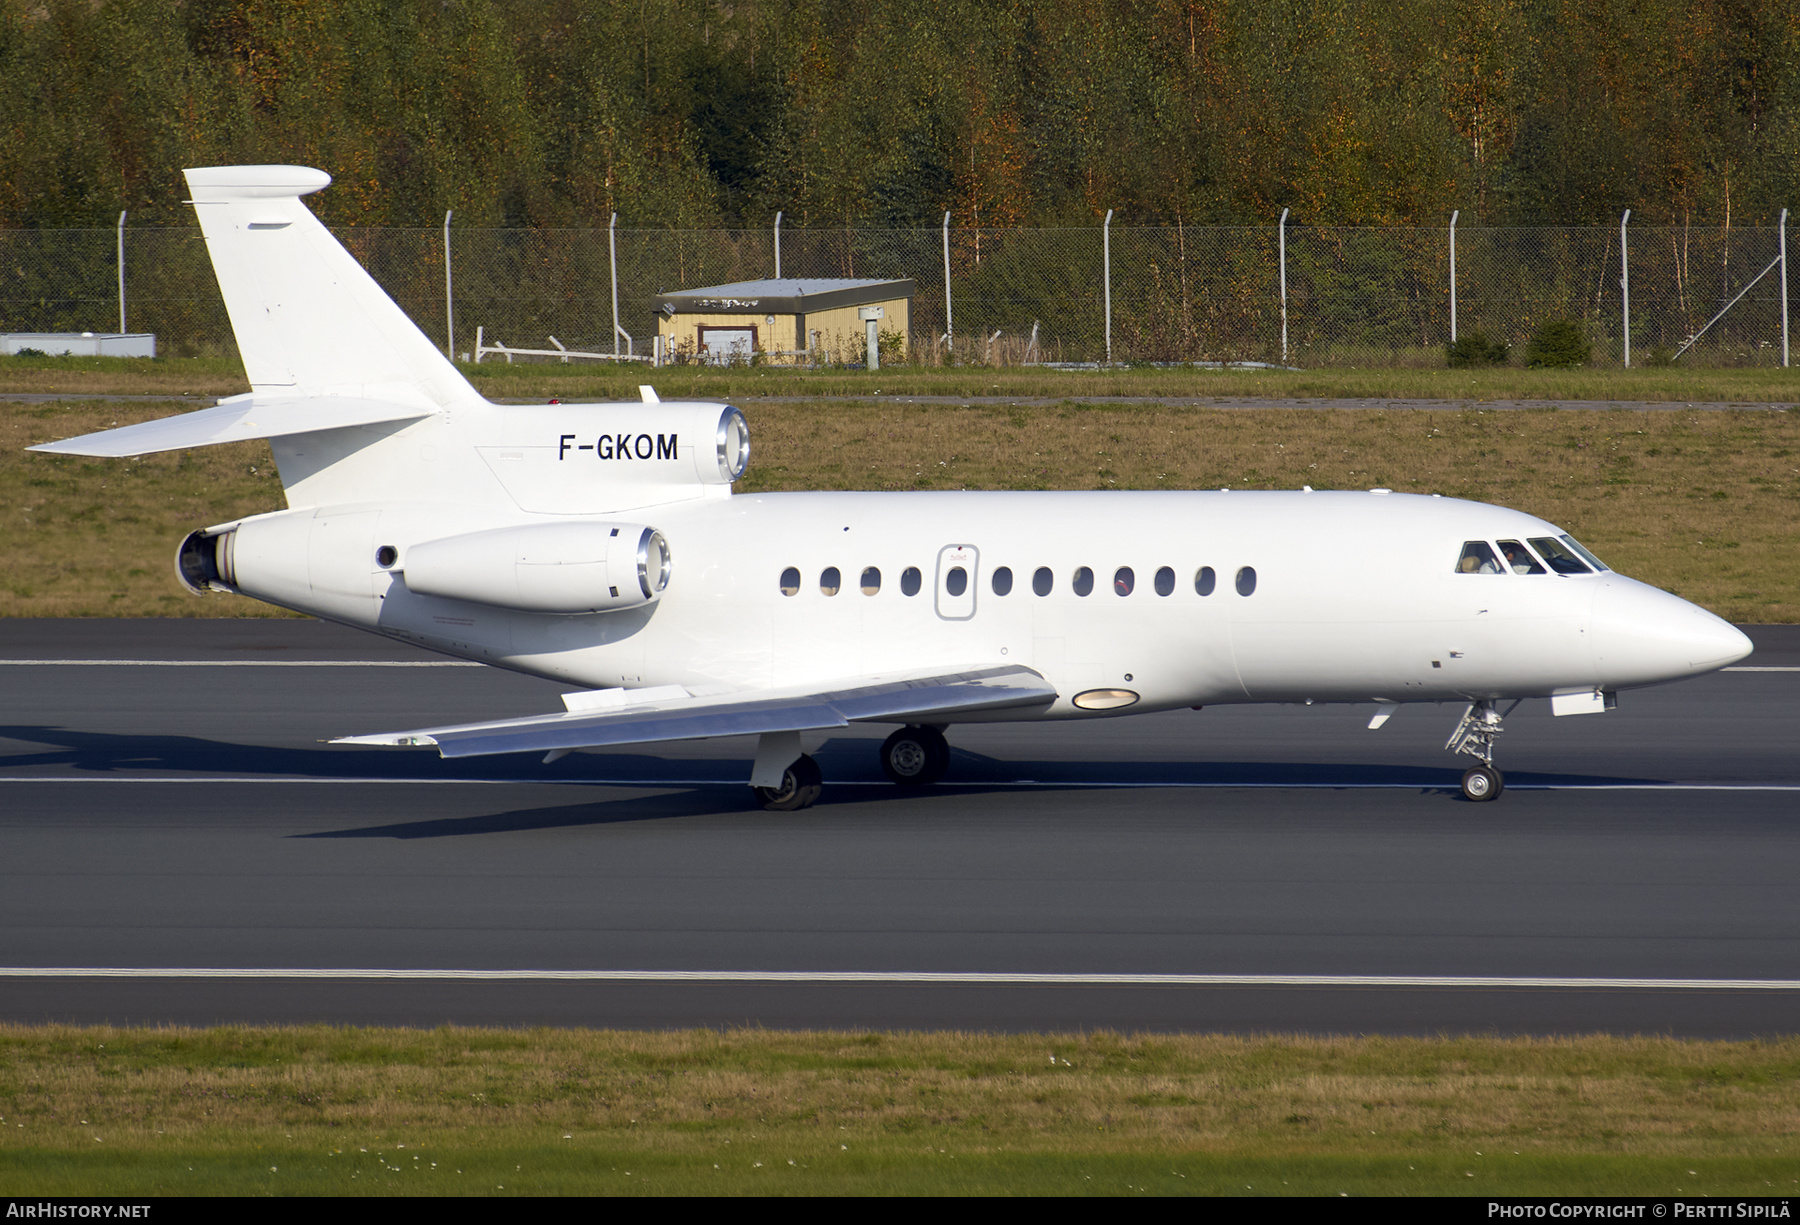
204,562
578,567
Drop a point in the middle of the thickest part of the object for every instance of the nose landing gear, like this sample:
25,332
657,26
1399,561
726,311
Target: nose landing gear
1475,735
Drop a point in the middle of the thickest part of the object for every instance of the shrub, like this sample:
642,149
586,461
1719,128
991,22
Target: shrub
29,352
1474,349
1558,344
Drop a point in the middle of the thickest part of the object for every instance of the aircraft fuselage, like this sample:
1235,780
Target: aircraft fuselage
1170,599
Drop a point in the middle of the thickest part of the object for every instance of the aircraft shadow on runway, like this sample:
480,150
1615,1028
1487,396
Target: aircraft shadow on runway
847,762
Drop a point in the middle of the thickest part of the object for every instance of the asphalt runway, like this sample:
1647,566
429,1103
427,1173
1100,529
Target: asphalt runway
173,814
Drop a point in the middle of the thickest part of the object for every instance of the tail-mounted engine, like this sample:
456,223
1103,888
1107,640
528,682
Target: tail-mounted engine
546,568
204,562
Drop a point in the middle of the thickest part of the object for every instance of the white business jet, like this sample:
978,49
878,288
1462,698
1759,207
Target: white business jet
601,545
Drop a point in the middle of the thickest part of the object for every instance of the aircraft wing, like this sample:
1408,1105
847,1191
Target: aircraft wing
671,714
239,419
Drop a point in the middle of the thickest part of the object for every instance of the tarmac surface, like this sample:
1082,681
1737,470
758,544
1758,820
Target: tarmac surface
177,844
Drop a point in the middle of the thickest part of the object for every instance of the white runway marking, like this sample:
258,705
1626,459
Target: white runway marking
239,663
971,784
952,978
1749,669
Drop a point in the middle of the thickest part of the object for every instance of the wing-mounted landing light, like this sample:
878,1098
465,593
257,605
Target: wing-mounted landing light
578,567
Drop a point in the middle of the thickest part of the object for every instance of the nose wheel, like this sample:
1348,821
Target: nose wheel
1475,735
915,756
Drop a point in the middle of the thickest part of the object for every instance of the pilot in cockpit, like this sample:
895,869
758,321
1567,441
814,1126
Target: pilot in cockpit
1478,558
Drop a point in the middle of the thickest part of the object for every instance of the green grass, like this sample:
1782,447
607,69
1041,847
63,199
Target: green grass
1663,385
594,381
323,1110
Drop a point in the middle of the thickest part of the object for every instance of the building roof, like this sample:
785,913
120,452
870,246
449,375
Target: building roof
790,295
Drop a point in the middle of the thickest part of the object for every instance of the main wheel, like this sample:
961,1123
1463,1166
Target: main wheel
1483,783
800,787
915,756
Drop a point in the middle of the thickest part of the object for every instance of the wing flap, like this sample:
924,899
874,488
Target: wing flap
239,419
915,698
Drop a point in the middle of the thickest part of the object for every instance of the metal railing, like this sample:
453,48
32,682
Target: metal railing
1301,295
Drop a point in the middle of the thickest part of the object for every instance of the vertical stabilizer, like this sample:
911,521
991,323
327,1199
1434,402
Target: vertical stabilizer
309,320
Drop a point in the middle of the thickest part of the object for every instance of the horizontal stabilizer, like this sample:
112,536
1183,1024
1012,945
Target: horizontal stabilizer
869,699
239,419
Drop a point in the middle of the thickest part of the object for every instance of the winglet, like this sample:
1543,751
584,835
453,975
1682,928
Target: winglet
649,394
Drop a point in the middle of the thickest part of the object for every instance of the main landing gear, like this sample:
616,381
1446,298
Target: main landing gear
915,756
800,787
1475,735
911,757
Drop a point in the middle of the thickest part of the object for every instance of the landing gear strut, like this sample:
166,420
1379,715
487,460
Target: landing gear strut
915,756
1475,735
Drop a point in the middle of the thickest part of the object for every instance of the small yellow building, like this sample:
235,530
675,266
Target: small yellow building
786,322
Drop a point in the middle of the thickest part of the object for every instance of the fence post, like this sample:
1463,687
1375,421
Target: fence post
1106,270
1625,285
449,300
1281,238
1784,325
949,318
1454,214
122,271
612,251
778,244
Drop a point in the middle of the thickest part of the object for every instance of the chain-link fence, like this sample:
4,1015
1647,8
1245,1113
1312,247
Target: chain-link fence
1354,296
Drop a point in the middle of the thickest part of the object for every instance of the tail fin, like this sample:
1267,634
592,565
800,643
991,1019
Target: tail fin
309,320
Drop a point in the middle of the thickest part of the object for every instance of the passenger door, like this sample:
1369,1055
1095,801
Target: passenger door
958,569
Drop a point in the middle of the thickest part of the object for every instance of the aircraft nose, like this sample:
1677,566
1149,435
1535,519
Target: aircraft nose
1642,635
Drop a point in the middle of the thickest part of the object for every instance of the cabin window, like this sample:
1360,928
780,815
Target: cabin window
871,580
1002,581
1519,559
1558,555
1477,558
1084,581
1205,580
1043,582
1165,581
1246,580
1124,581
957,581
830,581
909,581
1584,554
790,581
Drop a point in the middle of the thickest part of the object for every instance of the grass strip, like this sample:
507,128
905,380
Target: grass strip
1705,504
345,1111
223,376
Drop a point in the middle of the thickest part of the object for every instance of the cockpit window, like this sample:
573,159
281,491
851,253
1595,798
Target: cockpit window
1558,555
1478,558
1519,559
1586,556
